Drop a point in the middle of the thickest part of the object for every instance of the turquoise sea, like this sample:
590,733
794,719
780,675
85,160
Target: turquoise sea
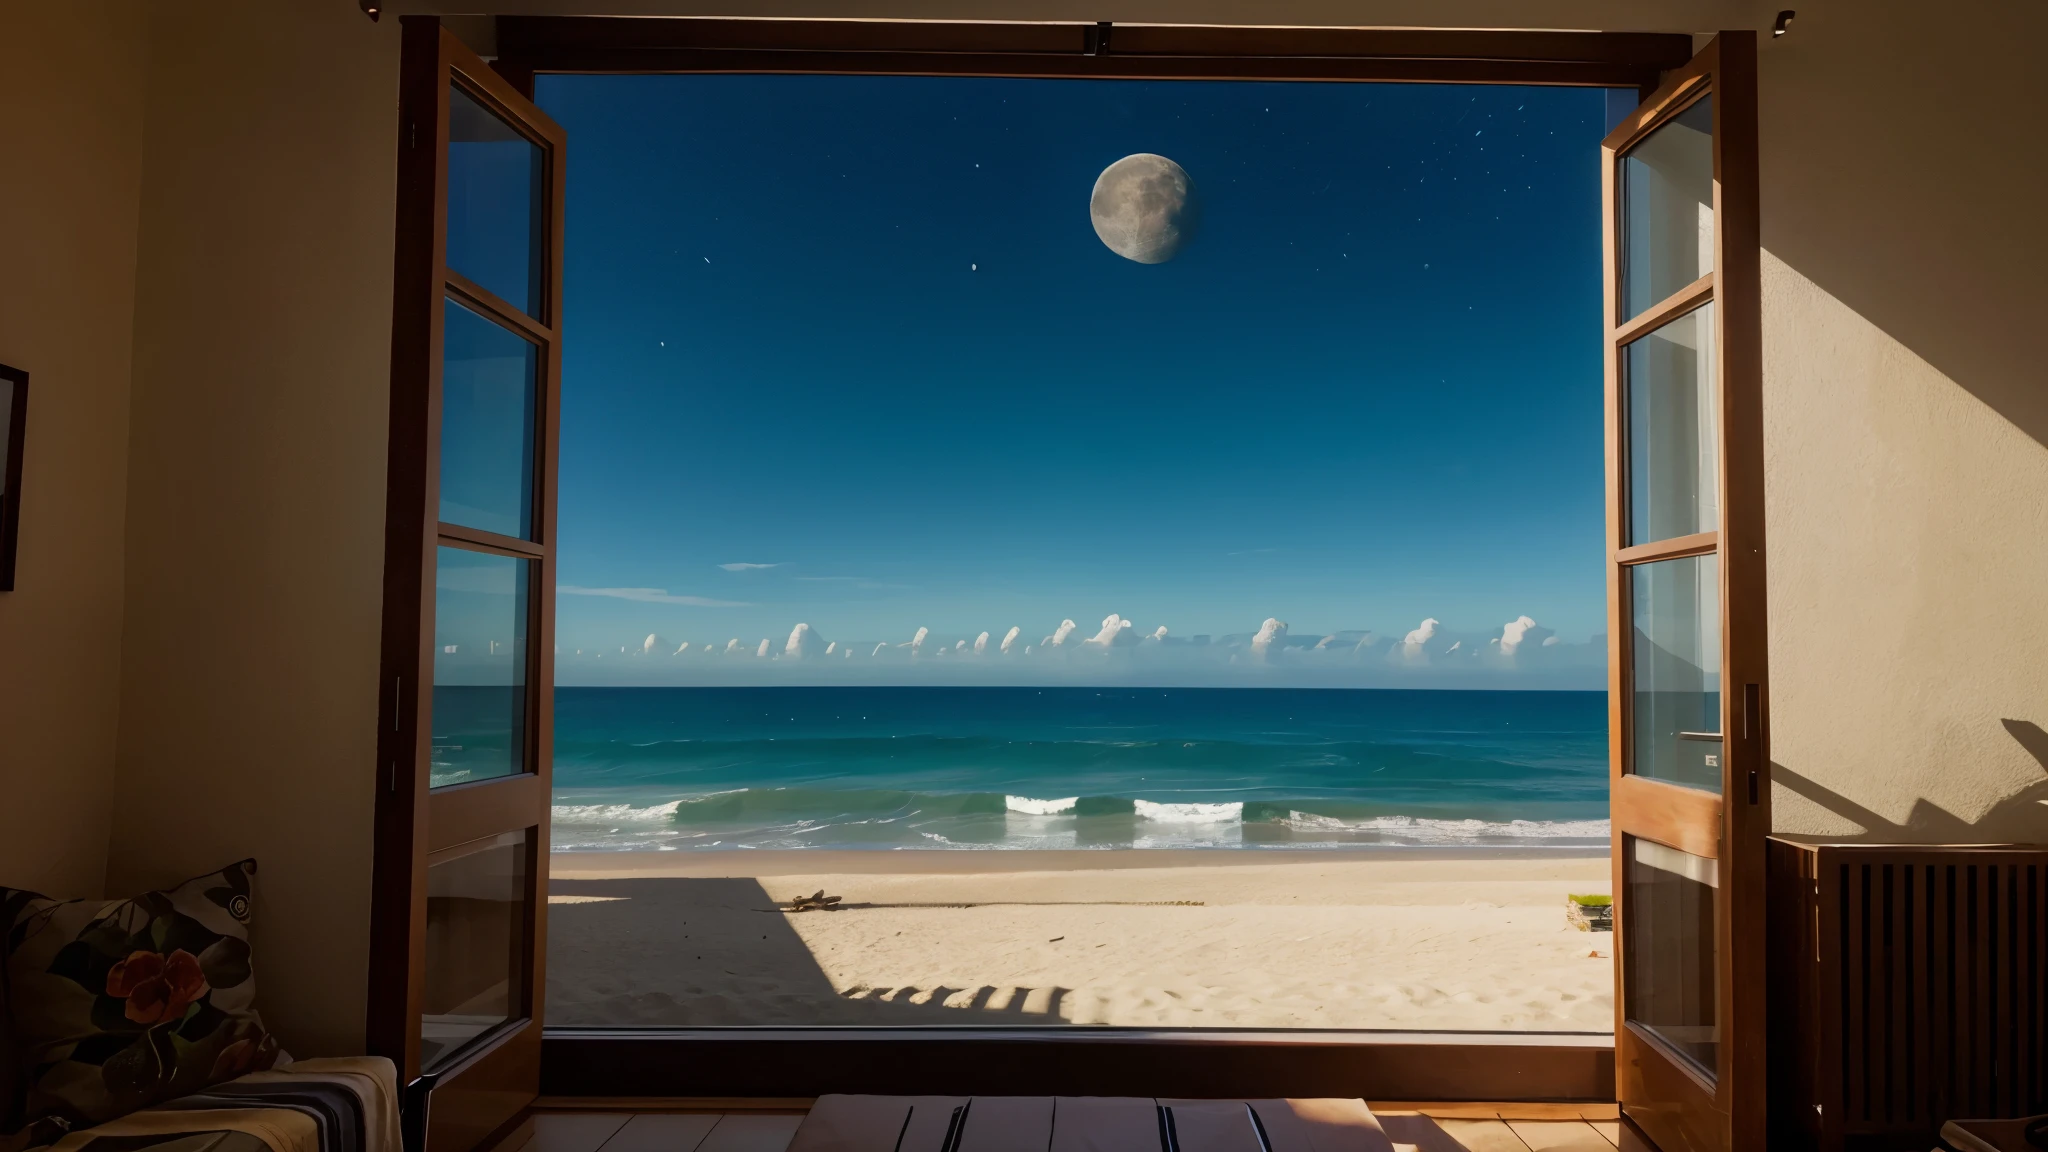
690,769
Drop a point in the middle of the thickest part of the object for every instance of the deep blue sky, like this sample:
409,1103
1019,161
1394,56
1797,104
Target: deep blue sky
860,328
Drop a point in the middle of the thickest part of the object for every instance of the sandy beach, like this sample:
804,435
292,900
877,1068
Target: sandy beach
1223,939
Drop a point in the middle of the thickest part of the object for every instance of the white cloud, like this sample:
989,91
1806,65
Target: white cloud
831,647
803,643
1113,629
1412,644
647,645
685,648
878,648
732,647
916,644
1158,634
961,645
1552,641
1010,637
762,651
1270,631
1455,645
650,596
1058,639
1521,630
981,644
747,567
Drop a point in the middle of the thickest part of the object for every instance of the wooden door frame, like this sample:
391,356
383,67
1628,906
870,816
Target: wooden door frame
1076,1060
1730,827
1103,51
531,45
483,1082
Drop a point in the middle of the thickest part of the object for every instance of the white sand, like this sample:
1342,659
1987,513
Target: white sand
1136,938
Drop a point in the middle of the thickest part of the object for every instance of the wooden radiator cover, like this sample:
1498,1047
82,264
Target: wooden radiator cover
1909,986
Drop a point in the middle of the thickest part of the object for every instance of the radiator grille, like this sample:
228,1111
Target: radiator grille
1926,988
1942,991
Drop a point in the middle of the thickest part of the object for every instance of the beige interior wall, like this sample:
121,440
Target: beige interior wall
1906,409
256,483
71,123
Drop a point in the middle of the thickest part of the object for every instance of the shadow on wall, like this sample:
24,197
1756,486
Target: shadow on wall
708,952
1893,180
2021,818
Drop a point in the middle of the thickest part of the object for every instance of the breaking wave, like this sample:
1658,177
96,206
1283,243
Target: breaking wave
798,817
1025,805
614,813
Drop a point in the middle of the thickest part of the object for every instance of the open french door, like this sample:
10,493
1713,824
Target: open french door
1687,684
458,939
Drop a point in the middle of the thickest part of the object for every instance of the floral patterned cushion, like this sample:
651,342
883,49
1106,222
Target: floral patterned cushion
116,1005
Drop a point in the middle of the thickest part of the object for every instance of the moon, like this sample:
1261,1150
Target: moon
1144,208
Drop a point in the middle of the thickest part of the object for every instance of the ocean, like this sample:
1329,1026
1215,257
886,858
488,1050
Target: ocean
899,768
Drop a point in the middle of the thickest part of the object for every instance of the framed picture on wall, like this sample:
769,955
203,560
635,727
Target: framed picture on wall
13,418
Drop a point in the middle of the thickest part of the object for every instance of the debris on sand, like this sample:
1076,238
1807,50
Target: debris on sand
816,902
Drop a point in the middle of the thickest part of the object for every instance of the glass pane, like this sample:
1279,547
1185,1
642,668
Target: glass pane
476,945
494,203
1676,723
1672,444
479,666
1669,914
1667,209
487,424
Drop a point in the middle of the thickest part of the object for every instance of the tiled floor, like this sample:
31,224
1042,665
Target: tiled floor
736,1128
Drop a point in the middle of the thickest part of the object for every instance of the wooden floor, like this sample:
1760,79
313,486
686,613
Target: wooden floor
1502,1127
768,1125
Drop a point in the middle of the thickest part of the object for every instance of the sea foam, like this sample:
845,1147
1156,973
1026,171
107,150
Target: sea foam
1030,807
1422,830
1191,813
614,813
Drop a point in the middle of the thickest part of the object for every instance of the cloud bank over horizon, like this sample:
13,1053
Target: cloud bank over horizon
1519,653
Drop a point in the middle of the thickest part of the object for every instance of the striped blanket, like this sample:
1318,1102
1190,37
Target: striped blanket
343,1105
